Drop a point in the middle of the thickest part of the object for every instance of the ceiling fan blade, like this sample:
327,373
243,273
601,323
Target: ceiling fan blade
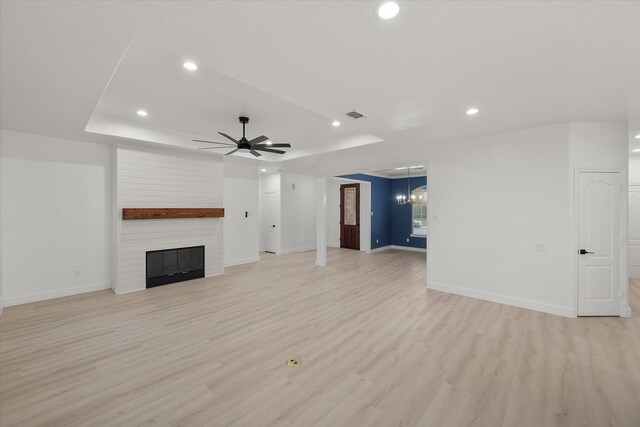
212,142
231,152
274,145
255,153
269,150
228,137
258,140
213,148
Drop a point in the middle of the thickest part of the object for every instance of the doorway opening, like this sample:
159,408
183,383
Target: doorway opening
395,204
269,221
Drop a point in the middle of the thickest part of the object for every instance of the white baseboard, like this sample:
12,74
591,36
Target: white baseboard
241,261
296,250
402,248
25,299
409,248
502,299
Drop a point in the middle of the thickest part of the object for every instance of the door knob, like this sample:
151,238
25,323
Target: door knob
584,252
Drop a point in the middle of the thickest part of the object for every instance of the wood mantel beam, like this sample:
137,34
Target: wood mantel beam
171,213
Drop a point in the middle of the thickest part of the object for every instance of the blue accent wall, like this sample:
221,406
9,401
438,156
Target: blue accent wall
381,219
391,223
401,215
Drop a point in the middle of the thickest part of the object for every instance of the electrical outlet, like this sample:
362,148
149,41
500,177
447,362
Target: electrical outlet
541,248
371,213
377,240
407,240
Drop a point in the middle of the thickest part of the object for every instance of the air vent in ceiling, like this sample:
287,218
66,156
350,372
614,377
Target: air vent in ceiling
355,115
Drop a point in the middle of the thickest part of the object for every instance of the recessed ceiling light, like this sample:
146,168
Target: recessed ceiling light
472,111
268,142
637,136
388,10
190,66
142,113
637,150
263,170
335,123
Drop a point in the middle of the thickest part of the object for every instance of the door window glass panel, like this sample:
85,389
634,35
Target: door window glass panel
350,206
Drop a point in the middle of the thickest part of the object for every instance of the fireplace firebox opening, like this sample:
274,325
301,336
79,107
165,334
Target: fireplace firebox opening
174,265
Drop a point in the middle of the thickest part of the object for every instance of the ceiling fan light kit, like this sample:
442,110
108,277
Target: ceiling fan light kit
261,143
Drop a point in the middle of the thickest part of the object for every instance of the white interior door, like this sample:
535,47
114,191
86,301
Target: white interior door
269,221
634,231
599,272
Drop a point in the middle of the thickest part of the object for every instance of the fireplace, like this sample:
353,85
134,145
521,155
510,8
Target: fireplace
174,265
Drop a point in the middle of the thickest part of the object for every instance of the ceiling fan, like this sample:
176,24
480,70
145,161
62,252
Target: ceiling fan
260,143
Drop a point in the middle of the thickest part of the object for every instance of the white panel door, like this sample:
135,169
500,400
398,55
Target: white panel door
599,239
269,221
634,231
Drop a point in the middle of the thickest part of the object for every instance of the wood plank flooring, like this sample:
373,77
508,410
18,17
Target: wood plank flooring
377,349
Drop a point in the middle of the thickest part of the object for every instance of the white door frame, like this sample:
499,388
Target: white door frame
625,310
427,166
633,188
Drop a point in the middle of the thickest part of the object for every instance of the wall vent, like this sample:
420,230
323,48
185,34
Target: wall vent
355,115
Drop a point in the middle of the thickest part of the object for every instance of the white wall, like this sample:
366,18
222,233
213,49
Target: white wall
270,183
241,233
150,177
600,145
492,200
55,206
298,213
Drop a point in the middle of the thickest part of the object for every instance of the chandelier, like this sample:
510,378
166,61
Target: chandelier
410,198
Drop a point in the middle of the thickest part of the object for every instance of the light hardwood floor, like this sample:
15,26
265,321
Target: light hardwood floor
377,348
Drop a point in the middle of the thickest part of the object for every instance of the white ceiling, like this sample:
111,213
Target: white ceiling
523,64
184,105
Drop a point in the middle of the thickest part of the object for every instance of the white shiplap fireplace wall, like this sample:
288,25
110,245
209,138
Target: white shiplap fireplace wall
163,178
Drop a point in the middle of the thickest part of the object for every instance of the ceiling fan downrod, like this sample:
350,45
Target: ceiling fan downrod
244,121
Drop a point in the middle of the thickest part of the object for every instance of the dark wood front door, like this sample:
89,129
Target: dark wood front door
350,216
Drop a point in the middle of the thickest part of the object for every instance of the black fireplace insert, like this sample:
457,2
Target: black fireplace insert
174,265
